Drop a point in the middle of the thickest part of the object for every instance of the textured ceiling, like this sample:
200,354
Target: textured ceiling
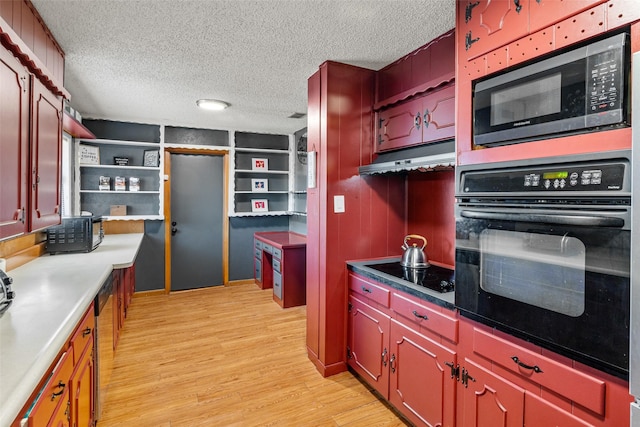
149,61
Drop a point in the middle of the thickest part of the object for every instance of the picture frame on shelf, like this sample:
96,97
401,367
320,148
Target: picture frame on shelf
151,158
259,205
259,185
134,183
104,184
120,183
120,161
88,154
259,164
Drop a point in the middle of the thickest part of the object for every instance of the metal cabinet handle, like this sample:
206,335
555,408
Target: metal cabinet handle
468,11
86,332
469,40
60,385
534,368
366,290
391,362
421,316
384,357
518,5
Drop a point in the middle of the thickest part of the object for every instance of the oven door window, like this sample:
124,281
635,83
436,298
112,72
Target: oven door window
544,270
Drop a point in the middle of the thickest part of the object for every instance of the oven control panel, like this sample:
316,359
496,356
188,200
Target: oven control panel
598,177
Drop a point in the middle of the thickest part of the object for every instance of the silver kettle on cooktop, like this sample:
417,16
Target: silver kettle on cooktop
414,256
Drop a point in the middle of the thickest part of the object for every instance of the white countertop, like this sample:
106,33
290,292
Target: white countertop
52,293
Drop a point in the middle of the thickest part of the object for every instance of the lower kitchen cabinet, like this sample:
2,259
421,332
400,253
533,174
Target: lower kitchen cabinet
420,384
409,369
440,369
488,400
503,382
67,396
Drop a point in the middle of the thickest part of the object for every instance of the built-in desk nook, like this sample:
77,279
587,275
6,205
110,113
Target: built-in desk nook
280,263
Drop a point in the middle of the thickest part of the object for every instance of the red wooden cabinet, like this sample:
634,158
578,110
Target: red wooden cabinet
507,383
488,400
14,145
408,363
546,12
368,351
484,25
421,385
46,154
428,118
82,380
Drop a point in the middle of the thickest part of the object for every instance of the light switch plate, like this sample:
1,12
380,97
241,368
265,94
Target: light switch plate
338,204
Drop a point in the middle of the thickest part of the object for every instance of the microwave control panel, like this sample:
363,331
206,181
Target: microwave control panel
605,81
602,177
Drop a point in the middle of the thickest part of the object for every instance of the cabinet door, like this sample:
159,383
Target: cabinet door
439,115
539,412
400,126
489,24
368,343
82,382
62,416
421,384
489,400
46,149
14,145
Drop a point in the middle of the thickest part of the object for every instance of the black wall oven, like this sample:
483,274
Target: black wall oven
543,252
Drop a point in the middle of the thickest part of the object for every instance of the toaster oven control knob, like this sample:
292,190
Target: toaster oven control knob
7,280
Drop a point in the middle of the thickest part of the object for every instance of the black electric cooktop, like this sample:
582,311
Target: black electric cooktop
436,278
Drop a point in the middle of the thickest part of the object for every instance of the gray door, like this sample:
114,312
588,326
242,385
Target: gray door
196,218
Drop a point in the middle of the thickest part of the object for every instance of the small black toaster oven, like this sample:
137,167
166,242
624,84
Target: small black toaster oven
75,234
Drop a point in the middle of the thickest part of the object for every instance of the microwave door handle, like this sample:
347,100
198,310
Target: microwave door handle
577,220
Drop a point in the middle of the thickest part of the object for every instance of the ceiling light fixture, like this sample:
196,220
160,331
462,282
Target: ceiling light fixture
212,104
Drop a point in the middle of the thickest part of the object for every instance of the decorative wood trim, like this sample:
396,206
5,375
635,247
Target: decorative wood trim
14,43
167,222
24,256
241,282
143,294
74,128
123,227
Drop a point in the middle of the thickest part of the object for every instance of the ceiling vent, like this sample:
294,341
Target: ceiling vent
297,116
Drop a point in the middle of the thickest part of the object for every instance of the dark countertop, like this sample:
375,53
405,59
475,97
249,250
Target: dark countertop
446,300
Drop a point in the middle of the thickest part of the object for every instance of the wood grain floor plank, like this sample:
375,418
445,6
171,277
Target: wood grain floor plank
228,356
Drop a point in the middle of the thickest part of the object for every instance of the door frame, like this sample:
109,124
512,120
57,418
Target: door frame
167,209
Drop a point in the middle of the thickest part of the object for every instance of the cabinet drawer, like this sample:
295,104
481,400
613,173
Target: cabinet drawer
276,266
83,334
267,248
579,387
368,289
277,285
421,314
54,392
259,245
277,253
258,253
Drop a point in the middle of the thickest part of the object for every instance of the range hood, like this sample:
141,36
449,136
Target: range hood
423,158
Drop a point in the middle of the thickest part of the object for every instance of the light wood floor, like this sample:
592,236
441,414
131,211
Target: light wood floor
227,356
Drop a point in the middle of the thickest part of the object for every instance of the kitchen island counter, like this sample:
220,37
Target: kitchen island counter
52,293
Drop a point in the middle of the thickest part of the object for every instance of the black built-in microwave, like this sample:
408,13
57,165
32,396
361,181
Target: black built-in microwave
579,90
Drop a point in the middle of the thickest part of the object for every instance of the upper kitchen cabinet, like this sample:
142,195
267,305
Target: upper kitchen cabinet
31,144
425,119
262,174
46,152
14,145
485,24
25,34
415,97
417,72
